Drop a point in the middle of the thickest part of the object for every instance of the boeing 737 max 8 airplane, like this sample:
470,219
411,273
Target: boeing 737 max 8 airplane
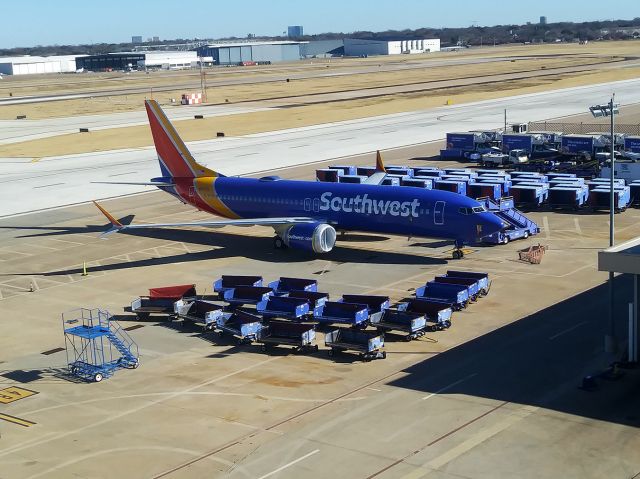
307,214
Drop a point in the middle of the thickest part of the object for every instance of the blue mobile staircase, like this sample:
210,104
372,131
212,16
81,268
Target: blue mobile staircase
519,226
96,346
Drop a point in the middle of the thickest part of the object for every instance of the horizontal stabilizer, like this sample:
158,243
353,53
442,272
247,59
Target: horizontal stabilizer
137,183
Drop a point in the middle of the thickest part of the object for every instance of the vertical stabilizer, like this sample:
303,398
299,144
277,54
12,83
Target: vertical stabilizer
173,154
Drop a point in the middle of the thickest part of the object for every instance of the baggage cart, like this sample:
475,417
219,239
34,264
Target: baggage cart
482,278
241,325
472,284
412,324
160,300
284,307
282,333
284,285
438,313
456,294
328,175
232,281
198,311
332,312
315,298
346,169
368,345
375,304
242,295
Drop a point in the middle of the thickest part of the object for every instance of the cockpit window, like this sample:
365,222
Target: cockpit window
478,209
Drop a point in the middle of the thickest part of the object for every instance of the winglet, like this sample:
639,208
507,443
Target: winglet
380,163
116,225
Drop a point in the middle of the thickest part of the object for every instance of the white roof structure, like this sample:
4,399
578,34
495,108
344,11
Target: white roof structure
28,64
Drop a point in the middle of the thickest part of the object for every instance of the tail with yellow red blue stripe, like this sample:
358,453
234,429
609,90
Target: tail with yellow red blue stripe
173,155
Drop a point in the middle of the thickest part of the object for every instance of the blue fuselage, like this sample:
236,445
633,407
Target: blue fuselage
407,211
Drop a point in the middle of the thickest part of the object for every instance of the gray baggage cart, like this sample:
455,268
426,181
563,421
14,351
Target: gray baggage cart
283,333
368,345
413,325
198,311
244,326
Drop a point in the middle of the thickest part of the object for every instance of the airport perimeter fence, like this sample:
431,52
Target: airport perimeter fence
583,128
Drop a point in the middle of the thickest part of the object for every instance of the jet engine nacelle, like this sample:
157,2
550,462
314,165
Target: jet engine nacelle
316,237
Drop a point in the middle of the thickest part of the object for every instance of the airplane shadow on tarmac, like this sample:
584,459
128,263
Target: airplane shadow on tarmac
541,360
226,245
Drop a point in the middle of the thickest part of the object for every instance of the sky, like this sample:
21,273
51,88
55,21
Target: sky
50,22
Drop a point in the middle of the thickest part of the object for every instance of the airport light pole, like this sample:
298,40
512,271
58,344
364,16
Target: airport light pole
610,109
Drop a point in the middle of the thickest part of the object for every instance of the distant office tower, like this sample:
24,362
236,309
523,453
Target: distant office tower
543,20
156,39
136,39
294,31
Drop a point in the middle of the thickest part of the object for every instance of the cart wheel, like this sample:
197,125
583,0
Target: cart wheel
97,377
331,352
447,324
408,338
73,370
366,358
263,348
384,355
315,347
221,334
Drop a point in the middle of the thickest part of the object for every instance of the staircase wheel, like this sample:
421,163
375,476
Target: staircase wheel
526,234
97,377
506,240
135,364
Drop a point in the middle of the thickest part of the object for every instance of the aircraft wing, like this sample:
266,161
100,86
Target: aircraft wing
116,226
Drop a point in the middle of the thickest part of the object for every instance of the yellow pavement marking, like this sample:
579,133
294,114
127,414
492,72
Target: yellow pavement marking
14,393
16,420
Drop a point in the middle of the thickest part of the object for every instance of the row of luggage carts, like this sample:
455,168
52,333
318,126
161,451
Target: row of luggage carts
286,312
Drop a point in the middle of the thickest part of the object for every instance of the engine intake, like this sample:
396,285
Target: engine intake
316,237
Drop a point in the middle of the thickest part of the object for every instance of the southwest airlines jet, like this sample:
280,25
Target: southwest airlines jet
306,214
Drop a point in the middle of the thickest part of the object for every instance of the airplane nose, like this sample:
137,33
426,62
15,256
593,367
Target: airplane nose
493,223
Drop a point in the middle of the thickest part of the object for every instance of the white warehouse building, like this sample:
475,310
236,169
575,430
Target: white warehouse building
354,47
29,65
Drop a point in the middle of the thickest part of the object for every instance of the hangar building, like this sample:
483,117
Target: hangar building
259,52
167,60
354,47
29,65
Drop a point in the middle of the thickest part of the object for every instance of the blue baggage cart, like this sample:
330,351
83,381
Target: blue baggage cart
472,284
375,304
458,295
339,312
241,295
437,312
283,307
231,281
284,285
482,278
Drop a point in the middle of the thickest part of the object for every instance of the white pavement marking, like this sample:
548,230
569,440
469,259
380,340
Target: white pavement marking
545,227
577,223
449,386
325,142
110,418
575,326
281,468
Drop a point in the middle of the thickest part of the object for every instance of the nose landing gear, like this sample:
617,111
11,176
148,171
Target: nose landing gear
458,253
